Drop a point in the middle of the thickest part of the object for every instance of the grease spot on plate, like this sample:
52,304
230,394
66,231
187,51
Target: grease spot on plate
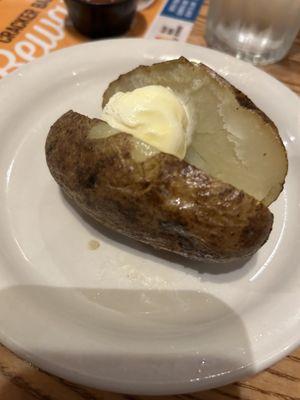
93,244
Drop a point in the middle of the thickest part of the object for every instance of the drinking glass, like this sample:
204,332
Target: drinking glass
259,31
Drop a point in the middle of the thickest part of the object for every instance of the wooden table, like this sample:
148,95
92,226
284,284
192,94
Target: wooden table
19,380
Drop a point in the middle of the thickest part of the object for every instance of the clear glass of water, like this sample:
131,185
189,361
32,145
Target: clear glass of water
258,31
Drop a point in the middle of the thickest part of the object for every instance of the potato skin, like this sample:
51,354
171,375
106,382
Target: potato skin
162,201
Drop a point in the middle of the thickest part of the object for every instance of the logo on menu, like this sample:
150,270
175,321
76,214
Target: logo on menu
39,40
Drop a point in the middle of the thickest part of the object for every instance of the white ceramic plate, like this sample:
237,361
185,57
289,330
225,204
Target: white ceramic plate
123,317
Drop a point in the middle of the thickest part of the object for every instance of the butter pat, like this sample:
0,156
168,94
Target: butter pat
152,114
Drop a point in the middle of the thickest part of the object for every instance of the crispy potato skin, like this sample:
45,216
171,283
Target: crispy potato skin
162,201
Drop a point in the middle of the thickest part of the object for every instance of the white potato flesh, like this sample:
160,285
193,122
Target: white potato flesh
233,143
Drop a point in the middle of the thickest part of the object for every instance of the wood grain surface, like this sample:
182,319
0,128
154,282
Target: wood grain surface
20,380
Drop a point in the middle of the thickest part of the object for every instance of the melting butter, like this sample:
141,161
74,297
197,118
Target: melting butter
153,114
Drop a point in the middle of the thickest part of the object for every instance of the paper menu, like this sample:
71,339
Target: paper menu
31,29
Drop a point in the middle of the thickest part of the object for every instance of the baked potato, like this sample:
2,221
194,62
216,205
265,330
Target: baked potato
210,206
